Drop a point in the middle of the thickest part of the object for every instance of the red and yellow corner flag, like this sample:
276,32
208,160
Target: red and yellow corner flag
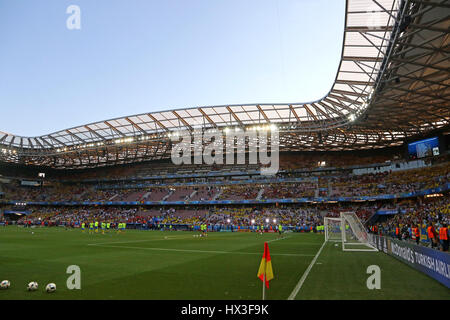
265,268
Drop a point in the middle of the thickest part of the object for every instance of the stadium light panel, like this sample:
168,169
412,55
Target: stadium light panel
352,117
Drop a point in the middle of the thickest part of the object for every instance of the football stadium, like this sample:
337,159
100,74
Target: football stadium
342,198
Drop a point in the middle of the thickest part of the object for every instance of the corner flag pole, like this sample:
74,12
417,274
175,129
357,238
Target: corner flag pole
264,286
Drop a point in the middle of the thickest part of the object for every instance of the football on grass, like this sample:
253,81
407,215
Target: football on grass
5,284
32,286
51,287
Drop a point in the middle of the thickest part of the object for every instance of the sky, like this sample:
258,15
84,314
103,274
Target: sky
136,56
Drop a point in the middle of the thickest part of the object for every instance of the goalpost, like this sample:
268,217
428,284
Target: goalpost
348,230
354,235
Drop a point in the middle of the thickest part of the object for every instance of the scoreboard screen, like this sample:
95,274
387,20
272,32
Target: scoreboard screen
424,148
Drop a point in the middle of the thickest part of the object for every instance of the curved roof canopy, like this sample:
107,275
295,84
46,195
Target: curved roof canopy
392,83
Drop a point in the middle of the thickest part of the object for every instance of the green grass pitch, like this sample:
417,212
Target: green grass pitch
177,265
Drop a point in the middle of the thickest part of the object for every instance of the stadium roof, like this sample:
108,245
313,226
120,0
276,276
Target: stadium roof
392,83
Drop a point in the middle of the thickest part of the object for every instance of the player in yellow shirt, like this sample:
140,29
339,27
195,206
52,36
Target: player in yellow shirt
280,230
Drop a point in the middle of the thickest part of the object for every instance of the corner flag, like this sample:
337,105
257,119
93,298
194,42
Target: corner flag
265,272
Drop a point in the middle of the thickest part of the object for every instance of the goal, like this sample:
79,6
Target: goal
332,228
354,236
348,230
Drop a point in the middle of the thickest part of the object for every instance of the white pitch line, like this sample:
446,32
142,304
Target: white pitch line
304,244
277,239
303,278
133,241
167,238
203,251
114,242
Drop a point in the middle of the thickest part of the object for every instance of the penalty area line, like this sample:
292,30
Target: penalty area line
305,275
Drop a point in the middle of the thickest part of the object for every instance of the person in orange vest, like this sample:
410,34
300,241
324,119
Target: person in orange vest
431,234
443,236
417,234
397,233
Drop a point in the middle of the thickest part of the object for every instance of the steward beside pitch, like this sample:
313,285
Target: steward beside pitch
443,236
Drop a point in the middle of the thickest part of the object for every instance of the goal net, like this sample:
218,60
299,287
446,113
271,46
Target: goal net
354,236
332,228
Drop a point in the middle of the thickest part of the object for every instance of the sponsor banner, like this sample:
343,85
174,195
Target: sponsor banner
392,211
387,212
433,263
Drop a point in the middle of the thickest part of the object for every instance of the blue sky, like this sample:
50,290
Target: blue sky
135,56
